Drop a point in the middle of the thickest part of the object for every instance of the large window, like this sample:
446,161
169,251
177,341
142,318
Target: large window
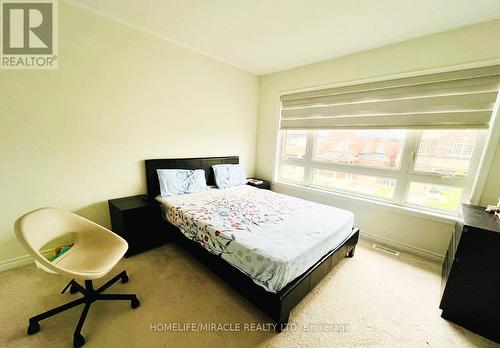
425,169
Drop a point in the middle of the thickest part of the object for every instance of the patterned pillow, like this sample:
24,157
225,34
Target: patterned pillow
181,181
229,175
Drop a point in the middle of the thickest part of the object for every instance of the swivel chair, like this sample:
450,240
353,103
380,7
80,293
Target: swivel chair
95,251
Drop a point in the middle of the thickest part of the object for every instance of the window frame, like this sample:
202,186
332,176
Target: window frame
404,174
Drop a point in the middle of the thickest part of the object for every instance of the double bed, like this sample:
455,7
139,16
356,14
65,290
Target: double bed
271,248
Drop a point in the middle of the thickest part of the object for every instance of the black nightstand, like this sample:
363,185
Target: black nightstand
470,273
266,185
139,222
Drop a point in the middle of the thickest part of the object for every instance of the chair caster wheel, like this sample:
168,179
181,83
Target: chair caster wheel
78,340
33,328
135,303
73,289
125,278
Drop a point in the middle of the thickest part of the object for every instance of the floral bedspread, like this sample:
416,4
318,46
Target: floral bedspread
269,236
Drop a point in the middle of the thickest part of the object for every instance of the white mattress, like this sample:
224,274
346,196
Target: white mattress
271,237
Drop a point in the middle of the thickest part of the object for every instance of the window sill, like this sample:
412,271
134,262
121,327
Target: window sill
446,219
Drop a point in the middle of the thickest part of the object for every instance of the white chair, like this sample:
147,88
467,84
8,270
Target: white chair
95,251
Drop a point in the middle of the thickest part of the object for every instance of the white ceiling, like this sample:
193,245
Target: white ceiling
263,36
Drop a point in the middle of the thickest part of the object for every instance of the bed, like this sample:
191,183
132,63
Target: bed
238,234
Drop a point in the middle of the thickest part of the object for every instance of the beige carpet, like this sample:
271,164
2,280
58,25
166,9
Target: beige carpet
374,299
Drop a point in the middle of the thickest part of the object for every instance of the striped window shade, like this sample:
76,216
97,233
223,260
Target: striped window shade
457,99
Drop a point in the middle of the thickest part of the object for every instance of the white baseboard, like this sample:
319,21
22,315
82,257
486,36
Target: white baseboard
20,261
403,247
15,262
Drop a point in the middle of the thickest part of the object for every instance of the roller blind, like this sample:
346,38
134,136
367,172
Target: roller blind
457,99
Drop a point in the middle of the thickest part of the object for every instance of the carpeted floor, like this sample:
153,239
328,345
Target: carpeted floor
373,299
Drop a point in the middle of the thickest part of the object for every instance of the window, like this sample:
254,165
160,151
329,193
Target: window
370,148
292,173
448,152
462,149
387,139
435,196
367,184
422,149
295,146
426,169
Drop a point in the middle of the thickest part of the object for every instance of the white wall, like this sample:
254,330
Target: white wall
77,136
467,45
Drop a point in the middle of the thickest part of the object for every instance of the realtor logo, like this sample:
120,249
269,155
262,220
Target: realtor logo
29,34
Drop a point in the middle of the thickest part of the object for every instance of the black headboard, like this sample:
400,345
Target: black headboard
205,163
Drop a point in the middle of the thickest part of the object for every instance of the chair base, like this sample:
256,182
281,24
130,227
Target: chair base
90,295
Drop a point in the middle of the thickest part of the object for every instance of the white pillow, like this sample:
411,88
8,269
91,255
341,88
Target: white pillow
229,175
181,181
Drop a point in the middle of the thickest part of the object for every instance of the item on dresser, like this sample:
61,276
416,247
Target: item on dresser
471,273
493,210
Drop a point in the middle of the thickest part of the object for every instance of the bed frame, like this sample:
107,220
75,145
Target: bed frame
276,305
